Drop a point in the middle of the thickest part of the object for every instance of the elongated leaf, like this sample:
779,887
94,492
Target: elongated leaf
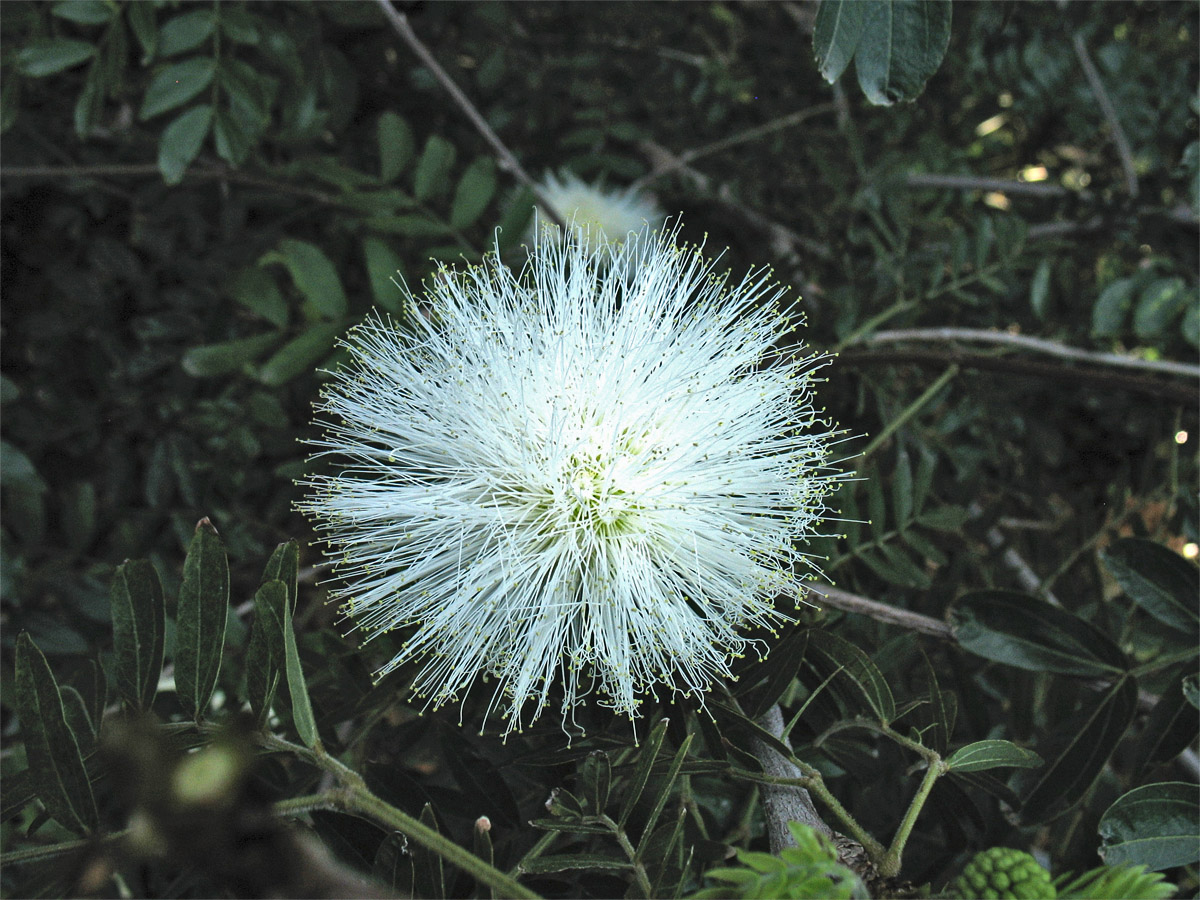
396,145
383,265
902,45
429,873
284,565
200,623
992,754
300,354
84,12
145,28
474,192
779,669
1161,582
647,755
1170,728
55,763
302,712
597,781
139,623
229,356
1028,633
1064,782
266,660
902,490
185,32
1155,825
937,712
828,653
836,34
433,168
175,85
313,273
664,790
46,56
568,862
1159,304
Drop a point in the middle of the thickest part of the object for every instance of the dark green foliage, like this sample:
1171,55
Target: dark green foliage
200,199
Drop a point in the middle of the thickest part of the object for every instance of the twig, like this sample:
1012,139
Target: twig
1038,345
1159,389
1025,574
784,241
975,183
1110,114
672,164
508,162
881,612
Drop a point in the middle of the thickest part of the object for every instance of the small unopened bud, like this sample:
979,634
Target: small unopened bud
483,824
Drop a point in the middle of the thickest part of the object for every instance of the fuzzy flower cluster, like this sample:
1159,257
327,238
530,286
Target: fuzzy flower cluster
587,477
600,215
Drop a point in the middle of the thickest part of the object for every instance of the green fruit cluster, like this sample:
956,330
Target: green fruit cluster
1002,873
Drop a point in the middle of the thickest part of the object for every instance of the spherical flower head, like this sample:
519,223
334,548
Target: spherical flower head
597,214
586,476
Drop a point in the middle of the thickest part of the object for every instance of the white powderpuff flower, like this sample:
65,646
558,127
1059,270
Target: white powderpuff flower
597,214
593,473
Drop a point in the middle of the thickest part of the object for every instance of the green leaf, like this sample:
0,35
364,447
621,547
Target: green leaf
300,354
902,489
175,85
90,104
902,45
944,518
647,755
18,469
776,672
284,565
1154,825
230,356
185,32
474,192
1111,308
836,34
1022,631
84,12
200,620
433,168
567,862
1039,290
1191,690
992,754
383,265
1088,746
1160,302
302,712
256,289
396,145
1158,580
181,142
314,275
409,226
663,791
828,653
1170,728
429,875
240,25
232,140
265,656
1189,325
139,629
46,56
596,776
55,763
145,28
514,223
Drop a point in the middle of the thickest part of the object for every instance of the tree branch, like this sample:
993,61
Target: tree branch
508,162
881,612
782,803
1110,114
975,183
1037,345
